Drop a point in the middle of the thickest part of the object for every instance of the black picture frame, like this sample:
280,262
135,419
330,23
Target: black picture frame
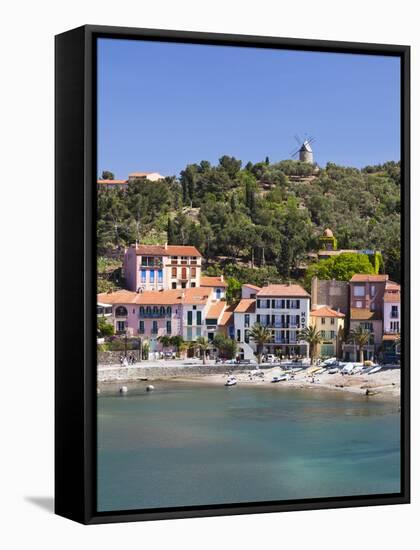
75,272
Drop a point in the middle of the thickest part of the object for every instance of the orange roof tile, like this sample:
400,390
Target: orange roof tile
195,296
226,319
169,250
390,337
392,297
187,296
212,281
326,311
216,310
362,278
363,314
283,290
246,305
390,285
118,297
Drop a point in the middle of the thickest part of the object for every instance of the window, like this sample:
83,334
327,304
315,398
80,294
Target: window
192,285
359,290
332,321
258,303
193,272
332,334
189,318
162,311
174,272
160,275
184,260
173,285
394,312
120,326
169,310
194,308
198,317
152,276
198,332
184,273
322,333
121,311
247,319
218,293
359,304
174,260
372,306
189,334
322,320
155,327
141,327
238,335
168,327
258,319
246,337
372,290
183,285
143,275
141,311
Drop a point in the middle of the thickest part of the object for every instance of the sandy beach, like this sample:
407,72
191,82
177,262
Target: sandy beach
385,384
382,384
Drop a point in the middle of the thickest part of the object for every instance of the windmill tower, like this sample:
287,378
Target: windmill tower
304,150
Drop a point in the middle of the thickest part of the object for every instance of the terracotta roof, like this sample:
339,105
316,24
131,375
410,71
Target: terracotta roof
362,278
216,310
363,314
390,337
112,182
390,285
283,290
187,296
328,233
326,311
169,250
246,305
118,297
226,319
254,287
393,296
212,281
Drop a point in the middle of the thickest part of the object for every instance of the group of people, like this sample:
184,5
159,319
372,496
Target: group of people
126,360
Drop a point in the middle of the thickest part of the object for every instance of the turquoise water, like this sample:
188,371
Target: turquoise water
184,445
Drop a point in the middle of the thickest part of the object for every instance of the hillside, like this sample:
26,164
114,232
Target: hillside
266,215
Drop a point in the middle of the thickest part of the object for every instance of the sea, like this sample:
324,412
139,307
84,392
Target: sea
189,444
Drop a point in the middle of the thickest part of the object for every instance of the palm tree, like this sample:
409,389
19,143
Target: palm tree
261,336
165,341
177,342
360,337
203,345
312,337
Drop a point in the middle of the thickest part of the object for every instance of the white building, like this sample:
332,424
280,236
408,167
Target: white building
218,286
285,309
392,308
244,319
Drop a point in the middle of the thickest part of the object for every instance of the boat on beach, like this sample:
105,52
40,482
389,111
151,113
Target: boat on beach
374,369
231,381
280,378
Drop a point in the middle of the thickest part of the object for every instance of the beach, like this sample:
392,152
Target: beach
384,384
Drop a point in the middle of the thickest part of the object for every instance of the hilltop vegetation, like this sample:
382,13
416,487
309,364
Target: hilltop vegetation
269,215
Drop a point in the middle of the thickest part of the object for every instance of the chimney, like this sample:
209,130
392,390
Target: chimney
222,277
166,246
137,244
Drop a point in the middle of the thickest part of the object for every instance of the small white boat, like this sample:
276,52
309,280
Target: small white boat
375,369
348,368
280,378
333,371
357,369
231,381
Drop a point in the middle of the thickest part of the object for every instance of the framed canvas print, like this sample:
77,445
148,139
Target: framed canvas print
232,274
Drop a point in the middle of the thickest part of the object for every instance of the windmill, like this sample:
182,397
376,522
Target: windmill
304,150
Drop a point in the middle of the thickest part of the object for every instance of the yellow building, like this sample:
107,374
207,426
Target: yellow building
330,323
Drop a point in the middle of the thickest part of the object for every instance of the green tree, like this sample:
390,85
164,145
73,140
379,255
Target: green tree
233,291
231,165
340,268
165,341
177,341
227,347
360,337
107,175
261,336
312,337
104,328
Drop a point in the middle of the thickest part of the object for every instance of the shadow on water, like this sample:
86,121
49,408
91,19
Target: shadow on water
46,503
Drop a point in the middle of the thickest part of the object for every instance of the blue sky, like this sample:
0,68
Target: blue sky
162,106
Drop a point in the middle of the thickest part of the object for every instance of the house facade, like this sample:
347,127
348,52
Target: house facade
244,318
366,310
392,323
330,324
166,267
285,309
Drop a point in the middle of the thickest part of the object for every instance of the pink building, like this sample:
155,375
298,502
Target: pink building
167,267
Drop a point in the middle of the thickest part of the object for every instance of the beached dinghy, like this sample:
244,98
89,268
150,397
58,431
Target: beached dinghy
348,368
333,371
375,369
280,378
231,381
